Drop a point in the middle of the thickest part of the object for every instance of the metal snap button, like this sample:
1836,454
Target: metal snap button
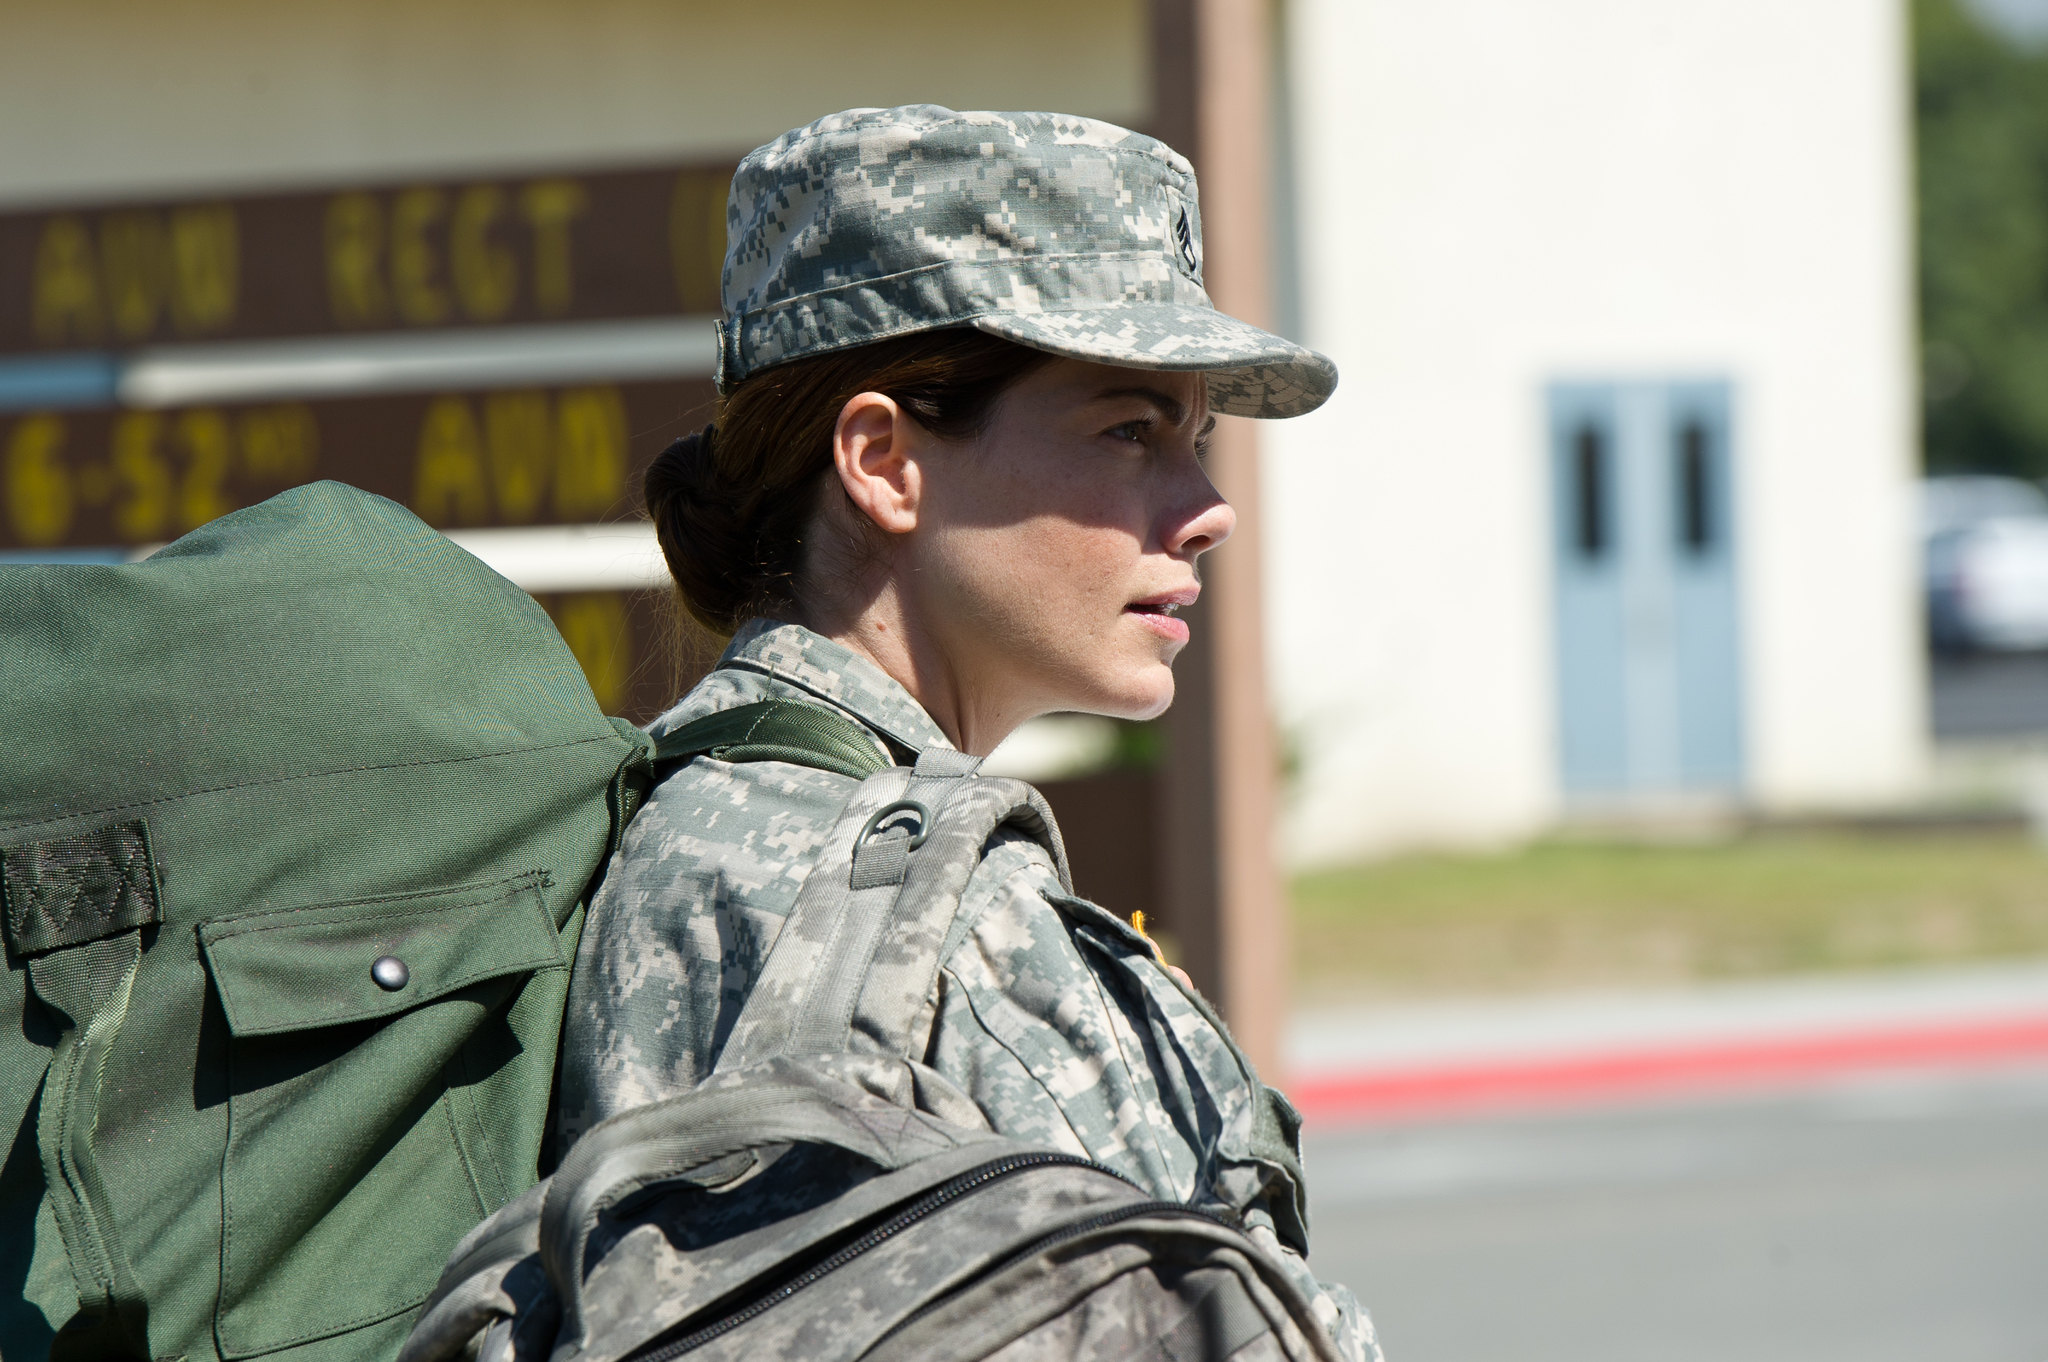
390,973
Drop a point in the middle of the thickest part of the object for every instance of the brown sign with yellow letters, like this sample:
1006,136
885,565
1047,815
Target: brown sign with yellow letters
520,456
469,252
421,255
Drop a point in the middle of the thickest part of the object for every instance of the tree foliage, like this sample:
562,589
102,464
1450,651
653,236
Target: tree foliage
1981,115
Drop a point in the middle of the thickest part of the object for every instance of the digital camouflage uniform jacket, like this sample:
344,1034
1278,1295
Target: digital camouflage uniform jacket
1050,1014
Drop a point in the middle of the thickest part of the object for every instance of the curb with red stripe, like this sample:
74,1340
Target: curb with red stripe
1623,1074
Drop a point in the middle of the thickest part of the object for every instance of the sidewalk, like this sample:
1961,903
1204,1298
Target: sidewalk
1434,1059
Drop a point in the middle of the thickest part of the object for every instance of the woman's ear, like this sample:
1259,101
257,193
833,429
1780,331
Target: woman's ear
874,451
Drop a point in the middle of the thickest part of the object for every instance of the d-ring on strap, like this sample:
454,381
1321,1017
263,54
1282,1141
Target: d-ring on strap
858,956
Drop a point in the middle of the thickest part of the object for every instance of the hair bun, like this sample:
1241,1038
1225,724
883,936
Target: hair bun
702,522
689,460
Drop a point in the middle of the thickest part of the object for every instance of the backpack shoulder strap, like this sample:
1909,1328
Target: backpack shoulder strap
777,730
767,730
853,968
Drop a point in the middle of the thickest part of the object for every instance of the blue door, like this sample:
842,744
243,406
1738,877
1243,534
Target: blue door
1648,638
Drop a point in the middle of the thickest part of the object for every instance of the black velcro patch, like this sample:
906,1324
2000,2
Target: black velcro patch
80,888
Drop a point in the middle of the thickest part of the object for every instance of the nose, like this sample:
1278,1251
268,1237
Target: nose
1202,522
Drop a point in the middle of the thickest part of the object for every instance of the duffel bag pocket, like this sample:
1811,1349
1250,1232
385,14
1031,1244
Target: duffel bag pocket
351,1167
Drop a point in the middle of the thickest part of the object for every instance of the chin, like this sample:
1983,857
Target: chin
1144,695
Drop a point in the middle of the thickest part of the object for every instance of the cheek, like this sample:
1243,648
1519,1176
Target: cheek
1044,574
1040,535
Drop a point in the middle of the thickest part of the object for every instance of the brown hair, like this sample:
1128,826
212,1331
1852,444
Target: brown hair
732,503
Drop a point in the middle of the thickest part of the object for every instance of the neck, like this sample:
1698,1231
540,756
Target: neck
886,634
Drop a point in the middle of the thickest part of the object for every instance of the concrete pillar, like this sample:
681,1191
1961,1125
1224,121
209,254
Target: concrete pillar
1212,101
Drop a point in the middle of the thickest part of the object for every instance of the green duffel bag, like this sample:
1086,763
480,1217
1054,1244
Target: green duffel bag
297,822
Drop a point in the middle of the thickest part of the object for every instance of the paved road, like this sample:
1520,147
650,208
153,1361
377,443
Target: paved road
1894,1217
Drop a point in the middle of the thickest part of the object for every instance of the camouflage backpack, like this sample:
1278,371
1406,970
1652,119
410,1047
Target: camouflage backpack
825,1196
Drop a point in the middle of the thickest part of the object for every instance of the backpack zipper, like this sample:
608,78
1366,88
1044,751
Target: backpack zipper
945,1193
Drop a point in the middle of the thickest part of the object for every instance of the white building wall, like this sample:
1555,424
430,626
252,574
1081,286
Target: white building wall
1493,195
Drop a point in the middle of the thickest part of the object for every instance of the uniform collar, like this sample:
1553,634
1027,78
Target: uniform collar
831,671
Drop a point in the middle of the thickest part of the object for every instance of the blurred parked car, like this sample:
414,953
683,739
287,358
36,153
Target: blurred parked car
1985,544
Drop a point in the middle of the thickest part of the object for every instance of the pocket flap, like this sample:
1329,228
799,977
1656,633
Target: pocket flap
292,969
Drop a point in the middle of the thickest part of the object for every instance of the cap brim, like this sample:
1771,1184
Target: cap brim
1251,372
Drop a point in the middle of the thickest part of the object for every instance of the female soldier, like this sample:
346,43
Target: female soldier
968,370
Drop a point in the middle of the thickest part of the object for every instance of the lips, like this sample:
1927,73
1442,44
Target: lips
1158,613
1166,602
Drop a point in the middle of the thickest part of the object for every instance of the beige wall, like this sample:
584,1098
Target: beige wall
1588,189
117,98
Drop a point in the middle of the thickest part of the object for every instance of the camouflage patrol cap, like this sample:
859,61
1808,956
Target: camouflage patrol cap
1064,234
